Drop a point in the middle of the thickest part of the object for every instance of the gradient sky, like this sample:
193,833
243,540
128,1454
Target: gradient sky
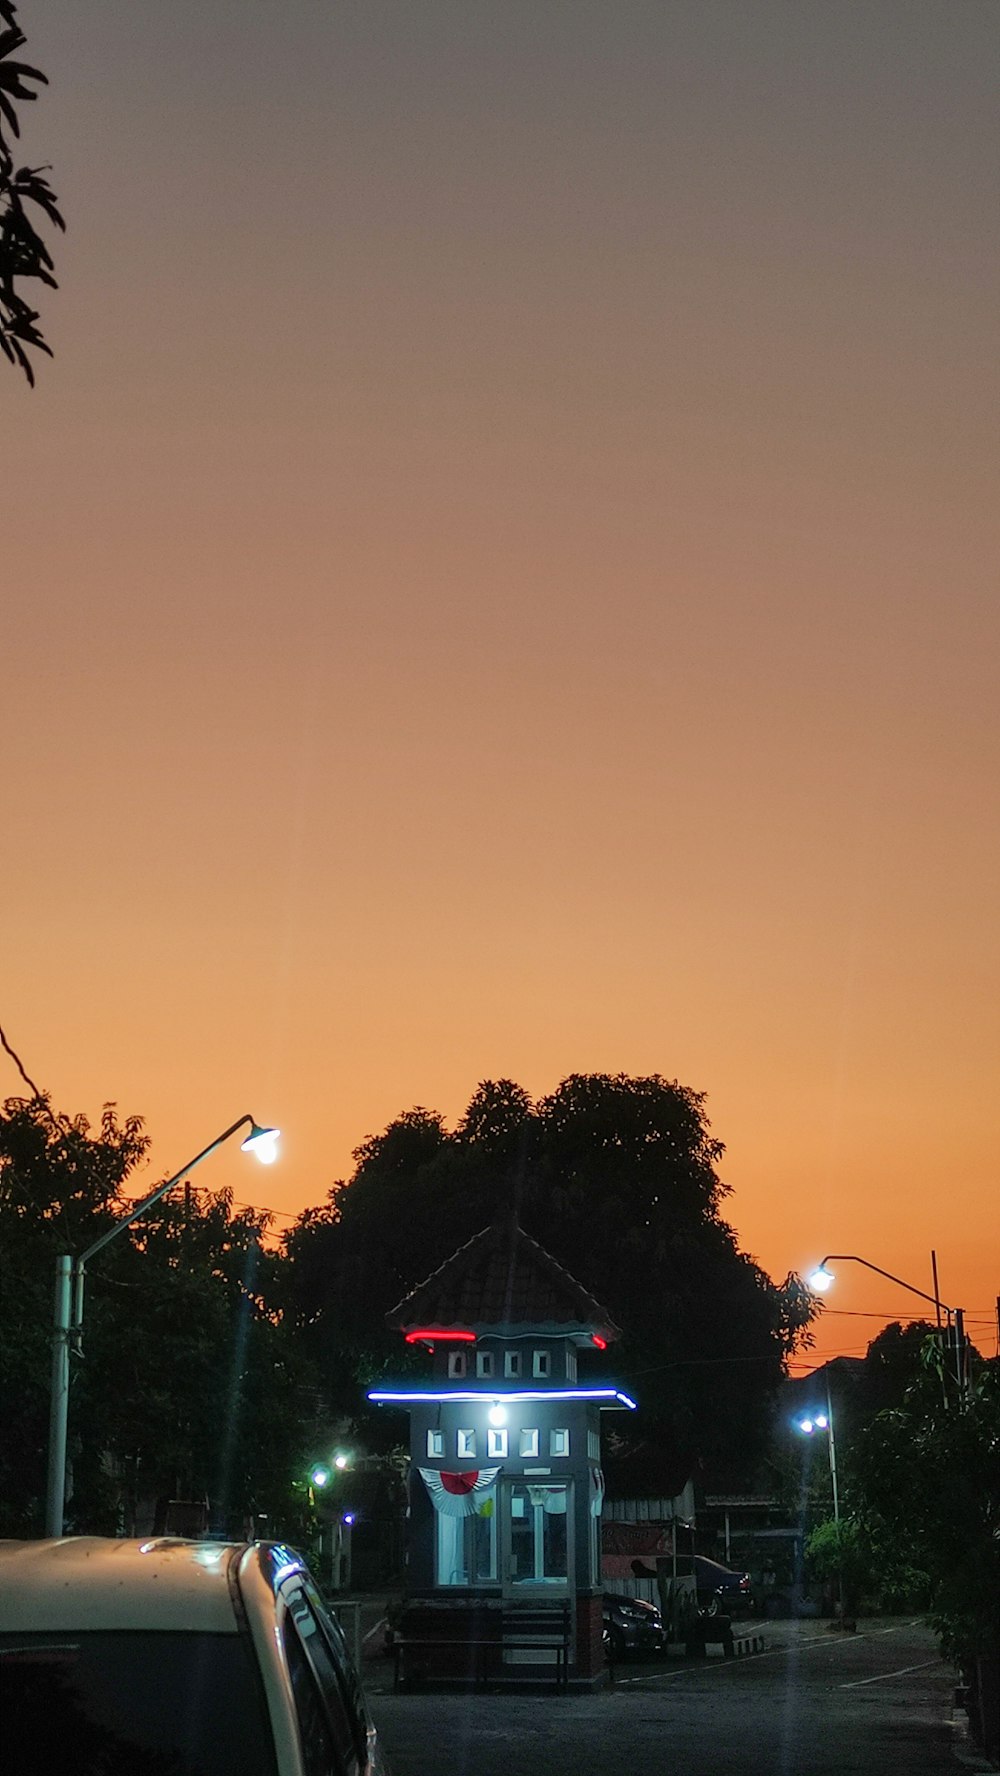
500,579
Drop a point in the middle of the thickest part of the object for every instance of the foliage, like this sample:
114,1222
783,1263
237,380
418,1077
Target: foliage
837,1553
616,1177
187,1384
927,1500
23,253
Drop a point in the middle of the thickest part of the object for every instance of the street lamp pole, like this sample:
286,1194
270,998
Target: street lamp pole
70,1275
833,1455
821,1278
818,1422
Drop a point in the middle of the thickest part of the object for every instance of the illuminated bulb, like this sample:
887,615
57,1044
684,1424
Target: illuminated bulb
498,1414
320,1476
806,1424
820,1280
340,1461
264,1143
821,1420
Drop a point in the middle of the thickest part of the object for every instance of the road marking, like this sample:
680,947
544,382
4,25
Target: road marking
792,1646
859,1682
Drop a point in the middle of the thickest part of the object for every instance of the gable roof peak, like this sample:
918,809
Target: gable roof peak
503,1282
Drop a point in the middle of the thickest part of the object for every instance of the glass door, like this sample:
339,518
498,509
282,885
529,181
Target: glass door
537,1526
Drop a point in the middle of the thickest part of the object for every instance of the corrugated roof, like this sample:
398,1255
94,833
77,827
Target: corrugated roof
503,1281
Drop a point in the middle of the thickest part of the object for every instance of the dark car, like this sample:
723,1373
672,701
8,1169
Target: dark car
631,1625
721,1589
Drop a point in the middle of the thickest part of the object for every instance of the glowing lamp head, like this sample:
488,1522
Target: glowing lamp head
820,1280
263,1142
320,1476
341,1462
348,1518
821,1421
497,1414
806,1425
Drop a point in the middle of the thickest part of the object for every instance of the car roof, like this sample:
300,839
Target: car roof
81,1583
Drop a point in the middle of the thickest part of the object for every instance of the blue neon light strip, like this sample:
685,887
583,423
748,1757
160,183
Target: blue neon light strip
428,1396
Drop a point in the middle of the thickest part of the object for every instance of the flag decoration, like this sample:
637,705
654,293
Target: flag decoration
597,1491
459,1495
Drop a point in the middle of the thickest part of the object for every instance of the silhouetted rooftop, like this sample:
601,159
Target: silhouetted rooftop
499,1282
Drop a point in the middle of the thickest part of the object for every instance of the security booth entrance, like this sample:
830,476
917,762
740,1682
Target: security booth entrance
506,1486
537,1530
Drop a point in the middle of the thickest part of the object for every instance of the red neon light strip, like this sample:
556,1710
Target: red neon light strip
423,1333
601,1343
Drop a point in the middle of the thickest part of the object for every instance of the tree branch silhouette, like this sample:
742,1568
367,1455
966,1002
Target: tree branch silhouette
23,190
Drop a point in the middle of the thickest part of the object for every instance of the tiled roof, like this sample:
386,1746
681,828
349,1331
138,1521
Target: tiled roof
503,1280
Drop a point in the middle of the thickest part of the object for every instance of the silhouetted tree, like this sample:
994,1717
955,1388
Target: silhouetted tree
188,1385
616,1177
23,253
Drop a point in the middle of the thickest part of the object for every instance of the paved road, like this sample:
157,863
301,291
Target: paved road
878,1703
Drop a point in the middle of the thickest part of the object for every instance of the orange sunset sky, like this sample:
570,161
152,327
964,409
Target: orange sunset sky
499,579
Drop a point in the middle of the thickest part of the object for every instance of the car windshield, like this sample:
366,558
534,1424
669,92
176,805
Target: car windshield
132,1704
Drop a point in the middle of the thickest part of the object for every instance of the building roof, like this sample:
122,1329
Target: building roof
502,1282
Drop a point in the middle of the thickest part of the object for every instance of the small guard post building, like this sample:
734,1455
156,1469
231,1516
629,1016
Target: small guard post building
506,1486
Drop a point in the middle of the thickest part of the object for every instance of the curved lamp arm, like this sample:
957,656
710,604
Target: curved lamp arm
852,1258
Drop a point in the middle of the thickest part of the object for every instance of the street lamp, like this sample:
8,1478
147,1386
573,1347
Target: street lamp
70,1274
823,1421
822,1277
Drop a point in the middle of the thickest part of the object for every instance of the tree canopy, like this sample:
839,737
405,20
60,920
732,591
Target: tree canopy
617,1177
25,194
187,1384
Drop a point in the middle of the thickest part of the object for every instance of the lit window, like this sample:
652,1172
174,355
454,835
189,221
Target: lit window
512,1362
540,1363
435,1442
484,1362
559,1442
456,1363
496,1443
466,1442
528,1443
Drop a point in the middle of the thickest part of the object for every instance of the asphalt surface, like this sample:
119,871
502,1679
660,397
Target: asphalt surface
814,1703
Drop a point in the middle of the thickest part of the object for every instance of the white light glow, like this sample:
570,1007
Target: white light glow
263,1143
498,1414
820,1280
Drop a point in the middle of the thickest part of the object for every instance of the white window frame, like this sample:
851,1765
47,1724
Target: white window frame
435,1443
456,1365
528,1442
496,1443
466,1442
484,1363
512,1364
541,1364
559,1440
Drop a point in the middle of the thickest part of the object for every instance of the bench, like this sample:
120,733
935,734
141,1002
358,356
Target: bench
491,1637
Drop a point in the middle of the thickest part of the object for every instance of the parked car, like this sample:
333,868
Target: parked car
631,1625
721,1589
140,1658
